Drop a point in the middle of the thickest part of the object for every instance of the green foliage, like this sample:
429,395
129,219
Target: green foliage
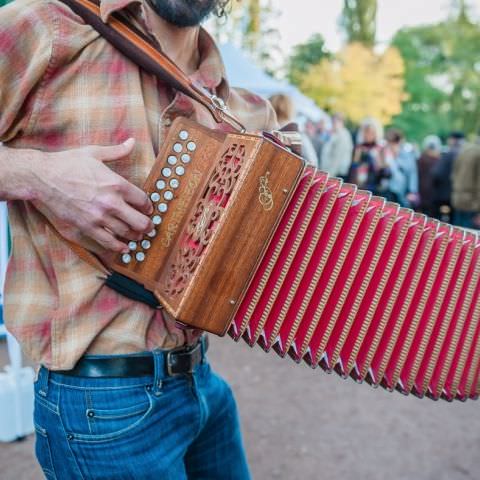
304,56
358,82
359,20
251,26
442,77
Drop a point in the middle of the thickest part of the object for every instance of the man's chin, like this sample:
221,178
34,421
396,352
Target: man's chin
183,13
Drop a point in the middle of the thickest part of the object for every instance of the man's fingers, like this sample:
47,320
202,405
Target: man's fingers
113,152
134,219
137,198
108,241
121,229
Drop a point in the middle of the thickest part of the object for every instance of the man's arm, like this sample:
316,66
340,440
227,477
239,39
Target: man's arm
81,197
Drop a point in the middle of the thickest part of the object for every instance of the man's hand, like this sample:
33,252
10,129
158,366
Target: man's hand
88,201
85,200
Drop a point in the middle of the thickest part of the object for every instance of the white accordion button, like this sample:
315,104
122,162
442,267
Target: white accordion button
157,219
168,195
132,245
172,160
126,258
166,172
140,256
177,147
191,146
183,135
162,207
152,233
155,197
186,158
146,244
179,170
174,183
161,184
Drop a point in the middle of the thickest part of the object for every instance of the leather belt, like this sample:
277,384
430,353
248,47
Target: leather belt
179,361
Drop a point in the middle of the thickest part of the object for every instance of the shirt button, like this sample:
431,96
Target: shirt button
69,436
167,122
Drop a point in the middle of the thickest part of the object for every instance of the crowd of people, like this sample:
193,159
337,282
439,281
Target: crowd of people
437,179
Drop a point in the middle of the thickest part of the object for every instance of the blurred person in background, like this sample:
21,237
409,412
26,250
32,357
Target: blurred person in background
286,113
368,169
432,149
466,187
442,177
400,159
337,152
319,135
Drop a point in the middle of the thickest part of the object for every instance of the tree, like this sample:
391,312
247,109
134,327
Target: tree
358,83
305,55
442,76
359,20
251,26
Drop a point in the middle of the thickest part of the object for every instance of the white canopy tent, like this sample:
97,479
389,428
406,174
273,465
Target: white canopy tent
242,72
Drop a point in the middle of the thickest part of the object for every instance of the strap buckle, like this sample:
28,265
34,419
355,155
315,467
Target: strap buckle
221,108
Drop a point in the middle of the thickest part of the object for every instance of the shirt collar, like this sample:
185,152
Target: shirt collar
211,70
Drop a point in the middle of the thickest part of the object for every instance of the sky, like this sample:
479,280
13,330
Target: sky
300,18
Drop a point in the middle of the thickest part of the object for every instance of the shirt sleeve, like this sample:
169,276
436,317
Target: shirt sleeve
26,49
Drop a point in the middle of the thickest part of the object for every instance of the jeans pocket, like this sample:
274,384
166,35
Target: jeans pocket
112,414
43,452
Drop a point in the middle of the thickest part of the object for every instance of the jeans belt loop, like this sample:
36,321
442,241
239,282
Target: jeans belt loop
159,371
43,377
204,344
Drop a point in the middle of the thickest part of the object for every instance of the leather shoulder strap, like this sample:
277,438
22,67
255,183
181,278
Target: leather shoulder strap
137,47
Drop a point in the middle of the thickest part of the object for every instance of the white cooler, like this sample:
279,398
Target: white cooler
16,382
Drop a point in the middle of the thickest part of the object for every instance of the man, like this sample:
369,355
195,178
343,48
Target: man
432,149
442,177
401,186
337,151
81,127
466,187
318,134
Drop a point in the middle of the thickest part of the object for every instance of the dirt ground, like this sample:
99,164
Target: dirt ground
304,424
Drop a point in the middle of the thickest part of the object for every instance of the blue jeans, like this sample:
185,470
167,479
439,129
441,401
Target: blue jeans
156,427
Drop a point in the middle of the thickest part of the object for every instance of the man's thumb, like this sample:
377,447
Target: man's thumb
114,152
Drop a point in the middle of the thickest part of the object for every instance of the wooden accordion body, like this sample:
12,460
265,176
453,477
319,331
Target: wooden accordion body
252,242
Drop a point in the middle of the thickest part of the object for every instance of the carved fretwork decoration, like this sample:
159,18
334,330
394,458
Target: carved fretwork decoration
203,222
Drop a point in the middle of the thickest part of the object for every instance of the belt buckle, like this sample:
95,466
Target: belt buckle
190,352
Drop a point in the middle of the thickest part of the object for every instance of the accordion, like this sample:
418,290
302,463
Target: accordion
250,241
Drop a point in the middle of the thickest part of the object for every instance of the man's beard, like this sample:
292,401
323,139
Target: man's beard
183,13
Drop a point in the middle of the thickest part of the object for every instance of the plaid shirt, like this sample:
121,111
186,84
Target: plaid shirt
63,86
